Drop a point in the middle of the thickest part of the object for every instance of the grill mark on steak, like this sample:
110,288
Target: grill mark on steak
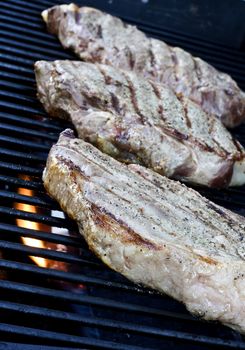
158,95
185,110
72,167
130,57
175,63
99,31
134,99
187,119
155,89
104,219
152,58
115,102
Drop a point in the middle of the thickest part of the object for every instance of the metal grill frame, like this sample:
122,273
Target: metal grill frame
26,135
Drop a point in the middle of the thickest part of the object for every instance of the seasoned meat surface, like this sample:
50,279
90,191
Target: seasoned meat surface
153,230
99,37
140,121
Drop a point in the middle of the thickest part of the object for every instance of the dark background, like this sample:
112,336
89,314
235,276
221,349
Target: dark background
218,21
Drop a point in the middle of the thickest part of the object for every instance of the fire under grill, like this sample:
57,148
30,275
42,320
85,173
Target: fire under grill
54,292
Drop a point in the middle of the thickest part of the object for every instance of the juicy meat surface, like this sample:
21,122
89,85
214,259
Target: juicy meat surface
99,37
140,121
153,230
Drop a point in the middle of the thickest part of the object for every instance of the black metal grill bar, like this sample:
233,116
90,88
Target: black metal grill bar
66,338
12,76
17,97
28,131
224,199
23,56
23,155
20,107
27,5
35,5
19,60
33,48
25,38
46,202
20,9
24,143
112,324
68,277
21,346
90,300
16,68
22,29
47,253
44,236
19,168
42,42
22,183
32,122
25,24
49,220
19,15
9,85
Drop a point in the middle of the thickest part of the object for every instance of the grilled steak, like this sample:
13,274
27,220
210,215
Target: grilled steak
140,121
99,37
153,230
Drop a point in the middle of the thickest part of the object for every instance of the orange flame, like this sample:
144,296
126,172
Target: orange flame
31,242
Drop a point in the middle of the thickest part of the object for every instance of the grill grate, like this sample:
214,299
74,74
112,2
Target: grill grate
77,302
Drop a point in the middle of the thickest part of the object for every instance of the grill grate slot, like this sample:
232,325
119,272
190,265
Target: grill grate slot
77,301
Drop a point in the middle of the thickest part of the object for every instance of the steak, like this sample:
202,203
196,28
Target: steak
140,121
99,37
153,230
